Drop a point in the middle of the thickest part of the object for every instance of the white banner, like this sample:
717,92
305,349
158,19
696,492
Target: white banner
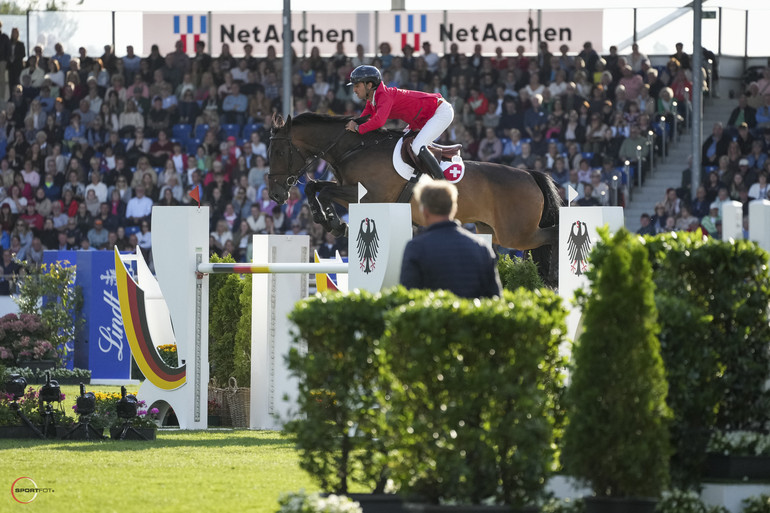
507,29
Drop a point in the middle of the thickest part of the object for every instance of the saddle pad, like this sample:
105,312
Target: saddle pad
454,170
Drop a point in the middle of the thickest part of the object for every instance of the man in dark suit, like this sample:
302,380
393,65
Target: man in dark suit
17,54
4,49
446,256
715,146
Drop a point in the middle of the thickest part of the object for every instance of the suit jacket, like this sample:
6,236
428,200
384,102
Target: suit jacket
721,148
749,116
446,256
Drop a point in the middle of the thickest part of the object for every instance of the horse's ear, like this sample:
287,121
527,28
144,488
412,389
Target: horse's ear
288,122
277,120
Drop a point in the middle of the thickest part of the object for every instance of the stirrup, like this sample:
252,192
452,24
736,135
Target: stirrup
430,162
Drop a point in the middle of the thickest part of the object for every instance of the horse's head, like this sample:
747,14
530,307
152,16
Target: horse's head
285,161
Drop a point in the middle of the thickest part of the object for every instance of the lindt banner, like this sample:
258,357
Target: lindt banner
490,29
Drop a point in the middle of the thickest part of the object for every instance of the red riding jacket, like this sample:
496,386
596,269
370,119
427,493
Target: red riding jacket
412,107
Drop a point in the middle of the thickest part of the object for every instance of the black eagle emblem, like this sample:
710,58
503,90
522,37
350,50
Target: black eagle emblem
578,247
367,243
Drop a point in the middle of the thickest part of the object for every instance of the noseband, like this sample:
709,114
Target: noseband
309,160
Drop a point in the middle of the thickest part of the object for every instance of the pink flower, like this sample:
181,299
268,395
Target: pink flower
141,413
154,411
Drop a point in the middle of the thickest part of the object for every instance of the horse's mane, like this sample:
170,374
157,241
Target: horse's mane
312,118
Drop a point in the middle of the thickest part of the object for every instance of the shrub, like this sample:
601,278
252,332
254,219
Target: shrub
713,299
679,501
616,437
334,360
474,407
242,340
518,272
758,504
50,292
224,314
730,282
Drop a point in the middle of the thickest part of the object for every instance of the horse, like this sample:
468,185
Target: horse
518,207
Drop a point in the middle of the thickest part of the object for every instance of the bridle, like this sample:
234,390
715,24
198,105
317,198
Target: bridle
291,177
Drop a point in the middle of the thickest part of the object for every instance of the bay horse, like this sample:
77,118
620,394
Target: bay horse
518,207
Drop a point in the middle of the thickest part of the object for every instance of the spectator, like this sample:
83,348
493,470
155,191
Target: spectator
490,147
138,208
647,228
444,236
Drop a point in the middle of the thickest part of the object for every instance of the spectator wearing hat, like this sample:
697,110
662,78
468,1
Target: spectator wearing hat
712,223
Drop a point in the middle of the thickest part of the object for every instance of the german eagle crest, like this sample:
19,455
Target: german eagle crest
367,244
578,247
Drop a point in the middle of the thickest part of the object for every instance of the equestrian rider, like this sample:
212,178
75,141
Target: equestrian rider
427,112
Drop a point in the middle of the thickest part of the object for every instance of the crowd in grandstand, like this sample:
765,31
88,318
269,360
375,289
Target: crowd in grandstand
89,144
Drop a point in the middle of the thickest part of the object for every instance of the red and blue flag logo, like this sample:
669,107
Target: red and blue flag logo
184,27
414,24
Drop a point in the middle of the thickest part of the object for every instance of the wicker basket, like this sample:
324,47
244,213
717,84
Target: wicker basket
238,400
219,395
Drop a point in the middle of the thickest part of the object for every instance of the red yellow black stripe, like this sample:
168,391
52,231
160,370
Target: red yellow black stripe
132,307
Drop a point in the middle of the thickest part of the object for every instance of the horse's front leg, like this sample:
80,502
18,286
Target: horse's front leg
343,195
316,209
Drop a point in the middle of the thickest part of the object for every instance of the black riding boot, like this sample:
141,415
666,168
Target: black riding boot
427,158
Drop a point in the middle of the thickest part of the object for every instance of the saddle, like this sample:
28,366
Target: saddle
441,152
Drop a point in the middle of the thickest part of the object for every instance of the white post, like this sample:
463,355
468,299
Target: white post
376,264
273,297
732,220
759,223
577,236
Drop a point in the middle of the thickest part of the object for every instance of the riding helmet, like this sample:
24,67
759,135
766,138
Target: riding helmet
365,73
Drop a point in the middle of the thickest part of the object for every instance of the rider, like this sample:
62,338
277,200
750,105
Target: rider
427,112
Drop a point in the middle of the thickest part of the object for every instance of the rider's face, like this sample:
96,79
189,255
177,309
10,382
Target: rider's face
359,88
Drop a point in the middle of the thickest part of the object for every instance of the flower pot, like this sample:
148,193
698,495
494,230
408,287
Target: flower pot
16,432
38,365
73,381
379,502
721,466
214,420
144,434
467,508
619,505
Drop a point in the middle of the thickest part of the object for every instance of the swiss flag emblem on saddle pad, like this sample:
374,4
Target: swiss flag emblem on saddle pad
454,170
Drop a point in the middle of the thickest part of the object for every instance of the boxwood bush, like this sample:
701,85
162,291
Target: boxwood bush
471,396
617,436
713,299
334,359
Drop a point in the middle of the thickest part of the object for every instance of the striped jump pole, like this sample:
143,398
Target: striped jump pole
274,268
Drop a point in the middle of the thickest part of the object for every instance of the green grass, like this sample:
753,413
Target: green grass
181,471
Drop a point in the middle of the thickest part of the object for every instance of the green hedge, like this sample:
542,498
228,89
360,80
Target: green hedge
617,437
474,409
713,298
334,358
485,429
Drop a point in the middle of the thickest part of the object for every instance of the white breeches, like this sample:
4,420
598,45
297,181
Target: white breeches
434,127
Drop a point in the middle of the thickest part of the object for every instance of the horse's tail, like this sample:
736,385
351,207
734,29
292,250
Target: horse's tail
546,257
553,201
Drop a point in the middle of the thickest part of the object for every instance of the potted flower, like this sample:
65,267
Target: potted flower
215,413
617,438
24,343
29,404
740,455
106,417
301,502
